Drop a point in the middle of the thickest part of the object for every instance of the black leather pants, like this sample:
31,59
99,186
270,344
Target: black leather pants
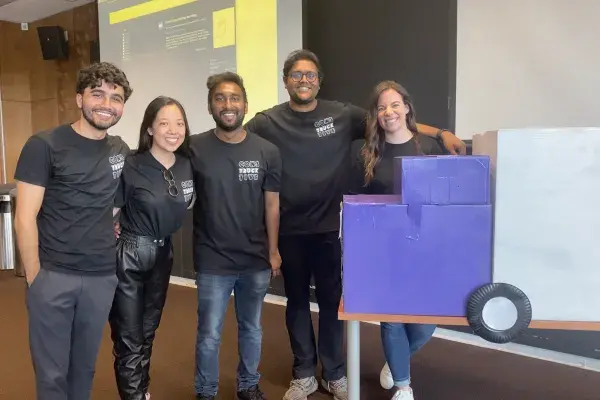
143,268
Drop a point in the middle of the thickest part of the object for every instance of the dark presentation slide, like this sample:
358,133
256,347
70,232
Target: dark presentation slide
148,34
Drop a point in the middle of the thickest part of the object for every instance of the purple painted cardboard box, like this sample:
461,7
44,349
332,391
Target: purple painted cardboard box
419,254
395,265
443,179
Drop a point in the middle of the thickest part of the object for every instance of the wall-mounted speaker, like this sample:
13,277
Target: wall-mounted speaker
53,43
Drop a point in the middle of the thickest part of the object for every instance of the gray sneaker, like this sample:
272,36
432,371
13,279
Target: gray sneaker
301,388
339,388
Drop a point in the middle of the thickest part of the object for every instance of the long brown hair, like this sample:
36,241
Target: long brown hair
372,150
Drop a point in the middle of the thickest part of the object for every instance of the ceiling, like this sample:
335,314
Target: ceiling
33,10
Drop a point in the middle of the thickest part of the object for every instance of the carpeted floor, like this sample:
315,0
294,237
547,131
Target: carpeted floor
443,370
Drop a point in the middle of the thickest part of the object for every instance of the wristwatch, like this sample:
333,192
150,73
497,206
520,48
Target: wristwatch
438,135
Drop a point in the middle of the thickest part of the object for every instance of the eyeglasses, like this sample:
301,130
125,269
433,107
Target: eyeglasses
170,179
310,76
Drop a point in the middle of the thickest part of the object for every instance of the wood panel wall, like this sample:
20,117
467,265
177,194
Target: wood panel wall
38,94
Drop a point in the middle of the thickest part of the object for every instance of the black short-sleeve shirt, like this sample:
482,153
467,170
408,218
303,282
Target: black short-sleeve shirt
148,206
229,214
80,177
315,149
383,179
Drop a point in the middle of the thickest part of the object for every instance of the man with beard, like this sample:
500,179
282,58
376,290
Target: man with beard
314,138
236,224
66,183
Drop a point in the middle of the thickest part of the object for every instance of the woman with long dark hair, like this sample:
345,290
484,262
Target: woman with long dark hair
392,132
156,189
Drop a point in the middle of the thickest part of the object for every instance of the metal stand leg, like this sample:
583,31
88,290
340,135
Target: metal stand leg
353,331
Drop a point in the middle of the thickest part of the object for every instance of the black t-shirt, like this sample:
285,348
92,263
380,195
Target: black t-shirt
315,152
81,177
148,209
229,214
383,179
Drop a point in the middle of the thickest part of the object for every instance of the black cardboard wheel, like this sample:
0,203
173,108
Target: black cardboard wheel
507,315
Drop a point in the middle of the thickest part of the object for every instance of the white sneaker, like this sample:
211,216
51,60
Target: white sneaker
385,378
403,395
339,388
301,388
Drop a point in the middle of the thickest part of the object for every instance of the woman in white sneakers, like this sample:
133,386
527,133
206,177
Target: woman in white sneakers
392,132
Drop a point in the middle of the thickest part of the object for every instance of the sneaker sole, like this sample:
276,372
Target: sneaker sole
311,390
238,398
386,382
324,384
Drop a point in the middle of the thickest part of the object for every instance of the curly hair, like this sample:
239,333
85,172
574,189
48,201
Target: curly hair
372,150
93,76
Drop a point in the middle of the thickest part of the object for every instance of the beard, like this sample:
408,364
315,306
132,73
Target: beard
226,126
294,97
88,114
303,101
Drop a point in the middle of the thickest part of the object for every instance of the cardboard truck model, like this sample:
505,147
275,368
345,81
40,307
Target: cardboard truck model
502,240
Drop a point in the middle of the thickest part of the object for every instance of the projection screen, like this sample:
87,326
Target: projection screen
170,47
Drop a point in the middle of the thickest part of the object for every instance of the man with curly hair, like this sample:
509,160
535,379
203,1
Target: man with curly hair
66,183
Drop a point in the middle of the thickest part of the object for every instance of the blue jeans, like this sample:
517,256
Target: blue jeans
214,292
400,341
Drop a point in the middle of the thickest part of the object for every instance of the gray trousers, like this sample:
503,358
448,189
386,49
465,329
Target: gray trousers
67,316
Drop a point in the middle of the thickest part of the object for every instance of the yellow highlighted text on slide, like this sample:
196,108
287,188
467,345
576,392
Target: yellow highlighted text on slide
224,27
256,52
143,9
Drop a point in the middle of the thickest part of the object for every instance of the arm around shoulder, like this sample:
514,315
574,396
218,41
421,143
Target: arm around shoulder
358,116
257,124
452,143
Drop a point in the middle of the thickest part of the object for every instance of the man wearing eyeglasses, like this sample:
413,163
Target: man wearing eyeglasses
314,138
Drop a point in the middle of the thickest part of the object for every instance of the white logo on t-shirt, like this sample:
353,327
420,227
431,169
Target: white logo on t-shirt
116,162
188,190
325,127
248,170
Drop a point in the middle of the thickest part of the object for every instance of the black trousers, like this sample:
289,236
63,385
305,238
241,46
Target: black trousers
317,255
143,268
67,315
